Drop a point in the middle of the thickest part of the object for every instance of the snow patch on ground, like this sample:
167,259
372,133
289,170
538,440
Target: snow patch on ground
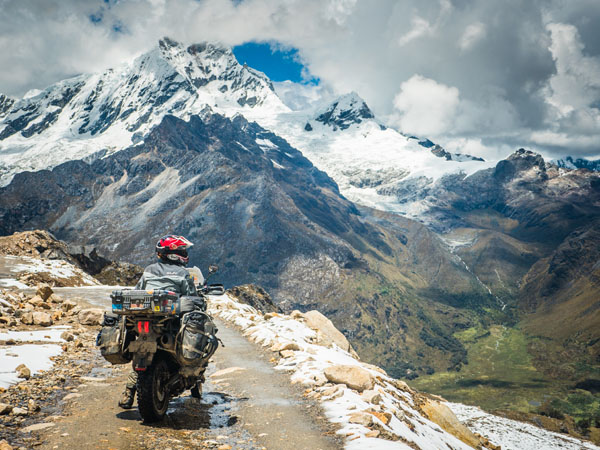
50,334
35,357
55,268
515,435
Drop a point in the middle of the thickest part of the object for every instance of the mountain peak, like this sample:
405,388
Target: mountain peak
347,110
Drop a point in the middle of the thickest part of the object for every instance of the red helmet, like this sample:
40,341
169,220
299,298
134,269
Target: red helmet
173,248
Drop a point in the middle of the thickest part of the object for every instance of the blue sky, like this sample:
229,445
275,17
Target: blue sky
277,64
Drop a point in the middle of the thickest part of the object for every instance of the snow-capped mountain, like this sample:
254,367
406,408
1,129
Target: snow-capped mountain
95,115
578,163
107,112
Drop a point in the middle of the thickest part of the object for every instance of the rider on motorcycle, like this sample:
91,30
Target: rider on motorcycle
168,273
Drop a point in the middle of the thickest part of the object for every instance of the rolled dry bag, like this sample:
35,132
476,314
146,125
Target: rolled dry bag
198,338
110,340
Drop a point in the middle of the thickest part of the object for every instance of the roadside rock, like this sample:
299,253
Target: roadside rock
37,427
4,445
442,415
67,336
361,418
371,396
91,316
5,409
19,412
27,318
23,372
327,333
41,318
353,376
68,305
44,291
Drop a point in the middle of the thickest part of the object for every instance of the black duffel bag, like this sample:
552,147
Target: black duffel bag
110,340
198,338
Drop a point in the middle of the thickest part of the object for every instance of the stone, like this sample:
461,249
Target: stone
23,371
385,417
371,396
372,433
68,305
287,353
32,406
55,298
38,302
296,315
19,412
279,346
27,318
5,408
42,318
71,396
37,427
67,336
361,418
354,377
327,333
320,379
270,315
44,291
91,316
4,445
439,413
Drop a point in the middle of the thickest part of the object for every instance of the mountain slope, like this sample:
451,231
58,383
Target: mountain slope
261,210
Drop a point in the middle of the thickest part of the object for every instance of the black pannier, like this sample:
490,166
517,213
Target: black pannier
110,340
198,340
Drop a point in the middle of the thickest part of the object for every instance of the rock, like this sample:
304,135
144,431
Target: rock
320,379
57,315
72,396
67,336
327,333
32,406
270,315
91,316
38,302
442,415
37,427
224,447
23,371
287,353
68,305
55,298
385,417
19,412
27,318
371,396
5,408
352,376
4,445
361,418
41,318
280,346
296,315
254,296
373,433
334,392
44,291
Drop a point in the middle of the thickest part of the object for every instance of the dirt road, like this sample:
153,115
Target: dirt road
246,404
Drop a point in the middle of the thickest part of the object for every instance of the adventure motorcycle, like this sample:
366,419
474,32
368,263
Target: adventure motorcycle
169,338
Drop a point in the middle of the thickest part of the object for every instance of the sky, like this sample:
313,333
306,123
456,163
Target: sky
477,76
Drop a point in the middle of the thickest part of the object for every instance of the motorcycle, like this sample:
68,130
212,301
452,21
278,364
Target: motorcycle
169,338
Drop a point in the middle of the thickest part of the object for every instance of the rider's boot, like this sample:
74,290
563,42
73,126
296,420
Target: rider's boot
127,397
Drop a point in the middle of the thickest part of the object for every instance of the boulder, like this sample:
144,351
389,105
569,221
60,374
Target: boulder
68,305
54,298
27,318
23,371
280,346
327,333
19,412
254,296
42,318
44,291
37,427
67,336
4,445
371,396
439,413
91,316
5,408
361,418
352,376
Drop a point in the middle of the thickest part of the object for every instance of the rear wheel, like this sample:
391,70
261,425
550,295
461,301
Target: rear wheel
153,398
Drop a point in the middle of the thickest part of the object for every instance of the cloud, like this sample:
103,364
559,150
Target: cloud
426,108
519,72
473,34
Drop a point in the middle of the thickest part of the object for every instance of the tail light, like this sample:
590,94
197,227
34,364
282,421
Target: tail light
143,327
